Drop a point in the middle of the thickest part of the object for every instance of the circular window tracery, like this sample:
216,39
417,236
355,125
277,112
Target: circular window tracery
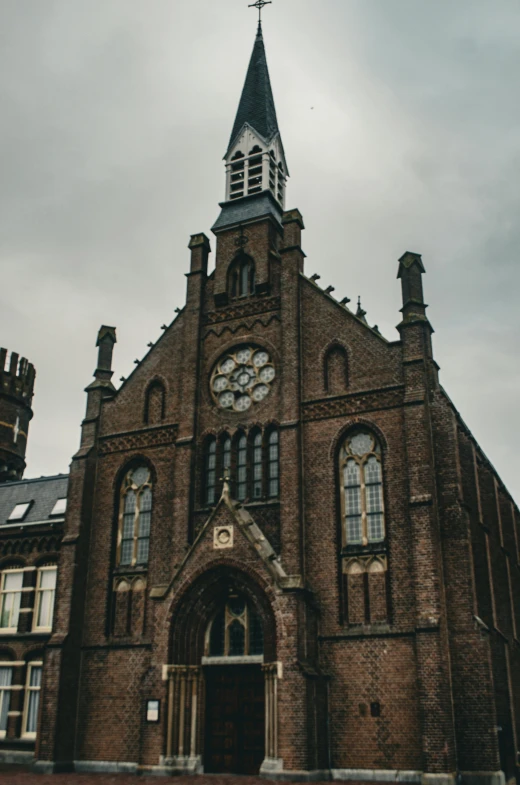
242,377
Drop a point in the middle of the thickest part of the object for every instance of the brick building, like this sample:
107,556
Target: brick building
283,549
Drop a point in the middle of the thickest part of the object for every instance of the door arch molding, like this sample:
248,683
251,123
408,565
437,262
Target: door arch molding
200,601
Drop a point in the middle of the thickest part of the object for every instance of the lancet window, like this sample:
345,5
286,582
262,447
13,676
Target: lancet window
211,471
361,479
236,630
242,468
135,515
252,462
274,464
241,277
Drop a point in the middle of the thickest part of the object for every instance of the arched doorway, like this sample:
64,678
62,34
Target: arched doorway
222,712
235,691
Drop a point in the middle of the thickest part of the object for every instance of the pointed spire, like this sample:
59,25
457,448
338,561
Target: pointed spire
256,105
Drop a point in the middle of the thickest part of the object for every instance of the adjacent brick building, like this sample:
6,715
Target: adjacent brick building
283,549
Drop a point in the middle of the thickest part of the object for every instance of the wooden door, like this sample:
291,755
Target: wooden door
234,719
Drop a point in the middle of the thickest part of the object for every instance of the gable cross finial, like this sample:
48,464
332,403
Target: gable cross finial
260,4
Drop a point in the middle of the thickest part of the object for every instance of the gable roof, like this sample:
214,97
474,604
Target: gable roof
41,493
256,107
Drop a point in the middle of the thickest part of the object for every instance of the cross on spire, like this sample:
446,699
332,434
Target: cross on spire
260,4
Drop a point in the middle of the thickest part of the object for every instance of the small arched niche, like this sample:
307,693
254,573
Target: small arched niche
335,370
155,403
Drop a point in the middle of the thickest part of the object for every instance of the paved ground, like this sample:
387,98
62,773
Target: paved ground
18,775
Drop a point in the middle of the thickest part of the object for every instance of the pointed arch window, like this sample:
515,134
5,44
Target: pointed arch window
257,466
236,630
242,468
135,513
361,478
226,454
252,460
211,471
273,465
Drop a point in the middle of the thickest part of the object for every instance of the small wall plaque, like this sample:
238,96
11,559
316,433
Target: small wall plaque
223,537
152,710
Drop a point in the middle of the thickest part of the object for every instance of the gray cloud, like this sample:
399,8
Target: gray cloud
115,117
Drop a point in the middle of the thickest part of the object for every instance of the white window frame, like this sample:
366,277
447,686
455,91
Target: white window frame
28,690
6,690
4,593
38,598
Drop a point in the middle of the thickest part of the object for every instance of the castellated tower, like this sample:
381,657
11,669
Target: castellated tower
16,392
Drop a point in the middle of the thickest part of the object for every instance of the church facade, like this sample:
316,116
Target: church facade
283,551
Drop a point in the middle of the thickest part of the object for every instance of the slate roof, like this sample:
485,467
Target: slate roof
247,209
42,492
256,105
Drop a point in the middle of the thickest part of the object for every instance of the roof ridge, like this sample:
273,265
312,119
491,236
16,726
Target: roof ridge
34,479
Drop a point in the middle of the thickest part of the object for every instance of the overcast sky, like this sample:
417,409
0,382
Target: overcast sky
400,120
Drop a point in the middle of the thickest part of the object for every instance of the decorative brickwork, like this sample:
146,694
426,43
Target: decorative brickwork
138,440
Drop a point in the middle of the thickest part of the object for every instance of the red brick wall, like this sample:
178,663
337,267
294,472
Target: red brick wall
423,677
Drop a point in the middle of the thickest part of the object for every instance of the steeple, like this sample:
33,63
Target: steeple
256,107
256,169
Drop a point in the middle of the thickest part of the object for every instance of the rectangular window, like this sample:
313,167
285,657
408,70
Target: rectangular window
32,699
6,675
354,530
10,599
45,594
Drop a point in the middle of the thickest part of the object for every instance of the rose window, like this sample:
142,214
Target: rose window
242,377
